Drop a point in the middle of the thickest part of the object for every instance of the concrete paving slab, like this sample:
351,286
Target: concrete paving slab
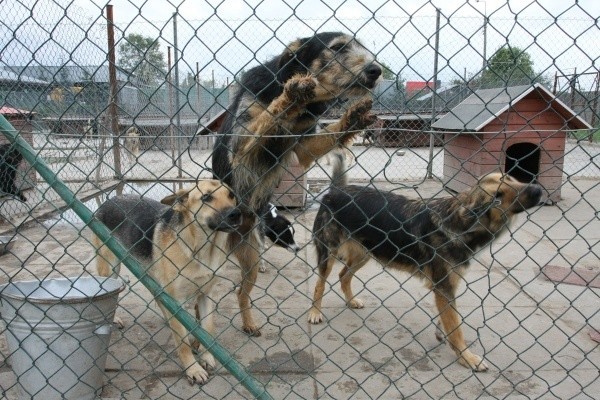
533,333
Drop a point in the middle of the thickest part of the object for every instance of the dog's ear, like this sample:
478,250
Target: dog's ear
287,66
293,60
177,199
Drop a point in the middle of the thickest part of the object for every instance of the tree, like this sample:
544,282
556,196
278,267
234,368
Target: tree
387,72
509,66
141,56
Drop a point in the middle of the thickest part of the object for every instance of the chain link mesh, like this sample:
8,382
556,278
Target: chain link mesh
529,303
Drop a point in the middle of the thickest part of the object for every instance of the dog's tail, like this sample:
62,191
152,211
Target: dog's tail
339,174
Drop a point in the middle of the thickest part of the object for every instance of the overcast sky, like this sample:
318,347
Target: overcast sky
226,36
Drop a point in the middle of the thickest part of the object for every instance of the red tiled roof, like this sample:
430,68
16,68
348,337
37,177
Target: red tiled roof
5,110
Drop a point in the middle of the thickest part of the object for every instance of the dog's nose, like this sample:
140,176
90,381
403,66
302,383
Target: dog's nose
536,192
234,216
373,71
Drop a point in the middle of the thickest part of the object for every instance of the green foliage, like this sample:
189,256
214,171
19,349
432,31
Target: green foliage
592,135
141,56
387,72
509,66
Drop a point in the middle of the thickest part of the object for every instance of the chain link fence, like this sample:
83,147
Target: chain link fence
130,99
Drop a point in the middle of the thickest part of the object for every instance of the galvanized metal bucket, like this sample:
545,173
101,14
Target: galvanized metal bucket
58,331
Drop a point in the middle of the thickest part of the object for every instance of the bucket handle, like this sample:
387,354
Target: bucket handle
103,330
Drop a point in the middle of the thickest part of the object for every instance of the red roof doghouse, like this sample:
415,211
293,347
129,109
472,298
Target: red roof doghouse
518,130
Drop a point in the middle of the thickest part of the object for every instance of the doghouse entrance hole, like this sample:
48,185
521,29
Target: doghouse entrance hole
523,162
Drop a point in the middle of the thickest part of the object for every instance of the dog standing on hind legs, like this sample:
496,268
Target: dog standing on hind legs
182,243
273,119
433,239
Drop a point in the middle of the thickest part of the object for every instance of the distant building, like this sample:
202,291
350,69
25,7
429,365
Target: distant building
418,87
19,91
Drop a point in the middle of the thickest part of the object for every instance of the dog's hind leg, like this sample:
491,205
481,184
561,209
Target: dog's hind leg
451,322
107,263
324,266
246,248
350,267
261,244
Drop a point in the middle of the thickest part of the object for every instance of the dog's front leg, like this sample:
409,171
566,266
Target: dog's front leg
205,314
451,322
280,115
355,119
194,371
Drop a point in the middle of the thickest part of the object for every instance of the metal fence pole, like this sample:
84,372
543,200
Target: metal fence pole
177,104
123,254
433,97
112,102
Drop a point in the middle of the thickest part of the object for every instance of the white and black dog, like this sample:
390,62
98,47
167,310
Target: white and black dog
278,229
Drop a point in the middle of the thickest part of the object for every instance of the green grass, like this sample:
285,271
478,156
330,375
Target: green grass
586,134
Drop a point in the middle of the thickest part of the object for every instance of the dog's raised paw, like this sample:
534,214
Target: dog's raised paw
196,374
358,115
301,88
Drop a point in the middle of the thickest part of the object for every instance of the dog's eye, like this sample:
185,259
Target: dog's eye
206,198
231,195
337,47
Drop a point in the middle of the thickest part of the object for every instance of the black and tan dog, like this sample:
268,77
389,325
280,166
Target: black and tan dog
433,239
182,241
10,159
273,119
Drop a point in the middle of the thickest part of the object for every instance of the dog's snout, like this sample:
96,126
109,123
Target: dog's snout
536,192
227,220
373,71
234,216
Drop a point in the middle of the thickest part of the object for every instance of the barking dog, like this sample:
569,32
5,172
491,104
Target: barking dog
10,158
273,119
433,239
182,241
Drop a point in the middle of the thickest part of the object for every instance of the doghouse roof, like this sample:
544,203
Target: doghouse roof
485,105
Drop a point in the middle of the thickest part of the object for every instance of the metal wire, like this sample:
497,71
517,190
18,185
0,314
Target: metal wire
529,302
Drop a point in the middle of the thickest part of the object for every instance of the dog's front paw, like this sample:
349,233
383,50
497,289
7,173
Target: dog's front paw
119,322
251,330
472,361
196,374
300,89
356,303
262,267
208,361
358,116
315,316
